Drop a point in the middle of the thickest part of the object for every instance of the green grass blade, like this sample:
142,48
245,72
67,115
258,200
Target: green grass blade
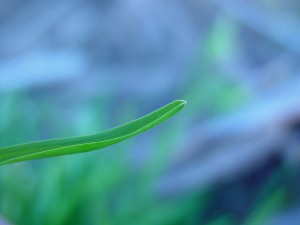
58,147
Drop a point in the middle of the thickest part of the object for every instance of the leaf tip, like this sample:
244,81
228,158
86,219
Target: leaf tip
182,102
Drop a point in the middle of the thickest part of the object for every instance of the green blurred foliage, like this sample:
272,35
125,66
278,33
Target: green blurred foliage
108,187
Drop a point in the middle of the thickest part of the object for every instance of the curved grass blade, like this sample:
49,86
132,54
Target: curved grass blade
58,147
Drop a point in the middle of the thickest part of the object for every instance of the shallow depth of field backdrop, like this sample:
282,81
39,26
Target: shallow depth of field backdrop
231,157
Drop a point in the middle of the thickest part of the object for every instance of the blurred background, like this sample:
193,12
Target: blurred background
232,156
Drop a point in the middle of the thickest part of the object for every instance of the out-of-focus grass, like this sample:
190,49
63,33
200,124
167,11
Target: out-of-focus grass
115,187
93,188
273,196
106,187
209,91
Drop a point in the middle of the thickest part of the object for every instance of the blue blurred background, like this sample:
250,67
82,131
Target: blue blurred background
231,157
